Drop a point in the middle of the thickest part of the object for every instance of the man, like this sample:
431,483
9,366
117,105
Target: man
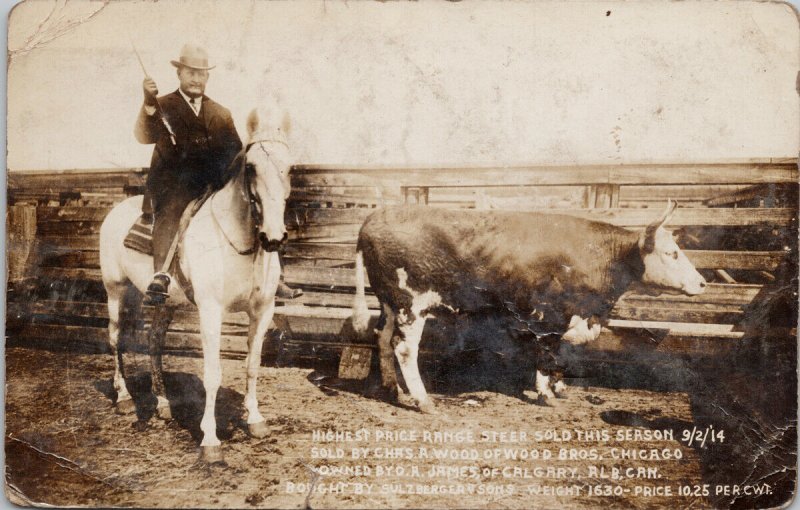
195,142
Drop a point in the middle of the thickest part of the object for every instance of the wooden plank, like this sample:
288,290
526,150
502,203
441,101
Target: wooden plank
329,299
340,251
335,233
72,179
747,260
70,258
716,293
99,336
731,316
640,218
88,242
98,310
68,213
69,273
681,193
741,173
320,277
689,329
68,228
760,192
302,216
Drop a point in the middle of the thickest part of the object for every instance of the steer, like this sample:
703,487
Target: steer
555,273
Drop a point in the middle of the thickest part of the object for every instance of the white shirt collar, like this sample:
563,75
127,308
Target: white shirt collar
189,99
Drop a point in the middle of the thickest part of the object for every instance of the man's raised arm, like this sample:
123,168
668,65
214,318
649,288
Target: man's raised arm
147,129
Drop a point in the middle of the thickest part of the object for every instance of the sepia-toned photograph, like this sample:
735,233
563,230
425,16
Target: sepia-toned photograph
355,254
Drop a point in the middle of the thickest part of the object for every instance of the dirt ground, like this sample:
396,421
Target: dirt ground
66,446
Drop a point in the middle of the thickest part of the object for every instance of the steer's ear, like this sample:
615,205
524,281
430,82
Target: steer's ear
647,240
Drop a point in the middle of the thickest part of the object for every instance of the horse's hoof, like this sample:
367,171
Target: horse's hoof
403,399
211,455
428,407
546,400
165,413
125,407
258,430
385,394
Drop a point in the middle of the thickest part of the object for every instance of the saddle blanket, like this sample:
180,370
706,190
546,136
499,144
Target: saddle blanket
140,235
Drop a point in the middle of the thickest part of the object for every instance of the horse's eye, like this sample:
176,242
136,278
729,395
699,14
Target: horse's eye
674,255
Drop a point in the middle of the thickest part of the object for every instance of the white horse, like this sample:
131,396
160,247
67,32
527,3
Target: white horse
228,255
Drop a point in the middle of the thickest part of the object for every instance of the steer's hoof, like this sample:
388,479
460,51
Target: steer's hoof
258,430
125,407
428,407
165,413
211,455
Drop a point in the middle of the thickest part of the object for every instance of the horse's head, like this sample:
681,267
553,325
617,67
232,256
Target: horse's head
267,177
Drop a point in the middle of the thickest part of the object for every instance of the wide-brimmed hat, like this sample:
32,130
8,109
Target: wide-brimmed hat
194,57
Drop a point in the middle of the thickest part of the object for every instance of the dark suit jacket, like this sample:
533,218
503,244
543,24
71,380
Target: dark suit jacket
205,146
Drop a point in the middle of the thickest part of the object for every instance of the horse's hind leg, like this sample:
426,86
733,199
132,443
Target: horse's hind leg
116,293
162,317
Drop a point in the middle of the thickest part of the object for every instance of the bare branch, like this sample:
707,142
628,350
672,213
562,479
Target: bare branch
52,27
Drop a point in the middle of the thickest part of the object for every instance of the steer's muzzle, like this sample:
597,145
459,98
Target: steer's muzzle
272,244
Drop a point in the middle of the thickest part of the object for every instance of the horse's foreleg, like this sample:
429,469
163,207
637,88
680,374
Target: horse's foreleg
124,403
260,319
211,325
162,316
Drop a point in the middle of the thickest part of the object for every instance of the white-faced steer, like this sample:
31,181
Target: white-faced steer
556,273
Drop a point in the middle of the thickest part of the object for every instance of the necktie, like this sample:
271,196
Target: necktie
195,105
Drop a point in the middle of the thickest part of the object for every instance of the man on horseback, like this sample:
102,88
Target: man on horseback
195,142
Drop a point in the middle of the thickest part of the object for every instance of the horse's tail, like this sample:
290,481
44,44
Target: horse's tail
360,311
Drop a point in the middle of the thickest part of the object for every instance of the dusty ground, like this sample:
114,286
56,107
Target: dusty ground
66,446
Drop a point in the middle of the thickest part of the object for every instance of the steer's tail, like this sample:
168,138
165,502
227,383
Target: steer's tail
360,310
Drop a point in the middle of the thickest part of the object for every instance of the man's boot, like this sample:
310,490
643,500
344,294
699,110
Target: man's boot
286,292
158,290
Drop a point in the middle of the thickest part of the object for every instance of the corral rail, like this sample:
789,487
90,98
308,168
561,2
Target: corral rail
737,220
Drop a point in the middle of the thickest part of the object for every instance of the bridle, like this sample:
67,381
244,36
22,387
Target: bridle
256,205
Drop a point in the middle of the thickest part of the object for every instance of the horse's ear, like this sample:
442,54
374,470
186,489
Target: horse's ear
253,122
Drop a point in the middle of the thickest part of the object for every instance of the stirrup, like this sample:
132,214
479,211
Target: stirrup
158,290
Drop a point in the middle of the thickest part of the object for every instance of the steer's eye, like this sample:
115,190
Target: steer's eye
674,255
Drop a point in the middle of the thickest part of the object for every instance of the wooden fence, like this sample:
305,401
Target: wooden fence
738,219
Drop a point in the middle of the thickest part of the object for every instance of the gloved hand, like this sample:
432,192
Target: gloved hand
150,91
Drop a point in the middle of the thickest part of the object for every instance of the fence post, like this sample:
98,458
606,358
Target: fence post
21,227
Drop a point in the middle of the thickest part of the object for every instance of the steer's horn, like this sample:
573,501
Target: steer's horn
648,238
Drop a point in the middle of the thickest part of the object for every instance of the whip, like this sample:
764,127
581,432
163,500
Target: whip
158,105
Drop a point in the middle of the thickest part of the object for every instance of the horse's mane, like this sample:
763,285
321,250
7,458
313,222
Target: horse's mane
234,168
